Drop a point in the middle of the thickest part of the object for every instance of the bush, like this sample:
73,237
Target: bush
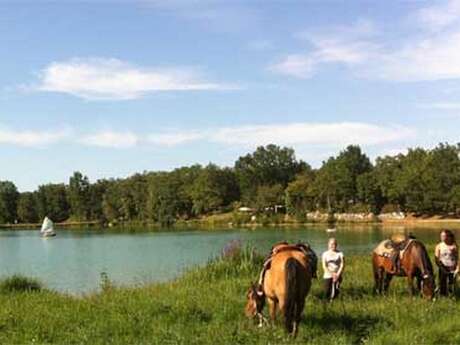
17,283
239,218
390,208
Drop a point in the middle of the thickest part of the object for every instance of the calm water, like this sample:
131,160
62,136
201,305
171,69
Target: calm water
73,260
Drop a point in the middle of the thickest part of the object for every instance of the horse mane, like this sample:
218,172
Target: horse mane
426,262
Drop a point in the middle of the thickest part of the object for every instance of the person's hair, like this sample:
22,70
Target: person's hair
332,239
450,236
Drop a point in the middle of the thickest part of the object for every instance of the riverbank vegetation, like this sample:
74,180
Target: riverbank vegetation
205,306
420,182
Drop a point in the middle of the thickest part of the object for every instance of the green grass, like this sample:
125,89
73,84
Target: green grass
205,306
17,283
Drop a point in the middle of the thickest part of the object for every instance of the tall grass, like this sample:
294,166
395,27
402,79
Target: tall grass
205,306
18,283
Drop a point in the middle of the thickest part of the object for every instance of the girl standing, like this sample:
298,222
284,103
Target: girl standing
446,257
333,264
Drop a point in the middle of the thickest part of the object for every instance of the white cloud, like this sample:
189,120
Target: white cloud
433,53
295,65
322,134
302,135
433,57
438,17
175,138
110,139
112,79
30,138
344,46
327,134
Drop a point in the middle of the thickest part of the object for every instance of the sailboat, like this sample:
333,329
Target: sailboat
47,229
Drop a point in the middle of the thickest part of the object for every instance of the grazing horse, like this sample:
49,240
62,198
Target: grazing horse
414,263
285,286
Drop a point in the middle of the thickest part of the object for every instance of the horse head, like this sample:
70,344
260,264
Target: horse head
255,301
427,282
428,286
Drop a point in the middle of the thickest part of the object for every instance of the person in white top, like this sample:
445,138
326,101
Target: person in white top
333,265
446,257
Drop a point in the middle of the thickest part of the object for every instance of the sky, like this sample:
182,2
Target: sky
111,88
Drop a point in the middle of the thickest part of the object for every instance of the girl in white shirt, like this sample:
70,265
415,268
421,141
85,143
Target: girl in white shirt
333,264
446,257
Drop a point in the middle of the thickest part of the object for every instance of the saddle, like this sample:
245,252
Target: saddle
393,249
284,247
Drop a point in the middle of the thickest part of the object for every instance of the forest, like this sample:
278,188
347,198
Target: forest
421,181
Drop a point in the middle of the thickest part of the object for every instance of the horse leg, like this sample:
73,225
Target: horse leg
377,279
272,305
384,280
387,281
418,284
410,282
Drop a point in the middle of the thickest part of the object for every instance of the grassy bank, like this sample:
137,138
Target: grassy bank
205,306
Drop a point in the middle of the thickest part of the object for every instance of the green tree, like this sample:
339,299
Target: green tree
96,198
213,188
387,171
79,196
27,208
8,202
269,197
336,186
427,178
111,201
164,201
369,192
300,194
52,202
266,166
441,176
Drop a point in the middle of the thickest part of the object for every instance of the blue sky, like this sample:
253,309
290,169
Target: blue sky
111,88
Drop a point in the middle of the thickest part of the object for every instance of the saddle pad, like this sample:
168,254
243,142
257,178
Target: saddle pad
384,248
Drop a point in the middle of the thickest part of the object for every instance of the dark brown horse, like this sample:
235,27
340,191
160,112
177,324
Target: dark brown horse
415,264
285,287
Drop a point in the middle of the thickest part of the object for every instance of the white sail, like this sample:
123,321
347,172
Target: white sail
47,226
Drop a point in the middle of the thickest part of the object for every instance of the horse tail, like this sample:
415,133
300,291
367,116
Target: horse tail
291,289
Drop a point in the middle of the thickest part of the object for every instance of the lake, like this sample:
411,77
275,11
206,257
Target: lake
74,260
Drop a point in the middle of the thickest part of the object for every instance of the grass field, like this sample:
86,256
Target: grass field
205,306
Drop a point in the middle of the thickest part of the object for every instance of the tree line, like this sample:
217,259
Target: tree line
422,181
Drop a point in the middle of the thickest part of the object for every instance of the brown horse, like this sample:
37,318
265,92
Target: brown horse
285,286
415,263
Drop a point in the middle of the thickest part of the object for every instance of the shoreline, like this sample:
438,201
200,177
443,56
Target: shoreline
35,226
204,223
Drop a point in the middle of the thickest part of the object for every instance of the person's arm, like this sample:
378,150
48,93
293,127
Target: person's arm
437,254
457,269
323,261
342,265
